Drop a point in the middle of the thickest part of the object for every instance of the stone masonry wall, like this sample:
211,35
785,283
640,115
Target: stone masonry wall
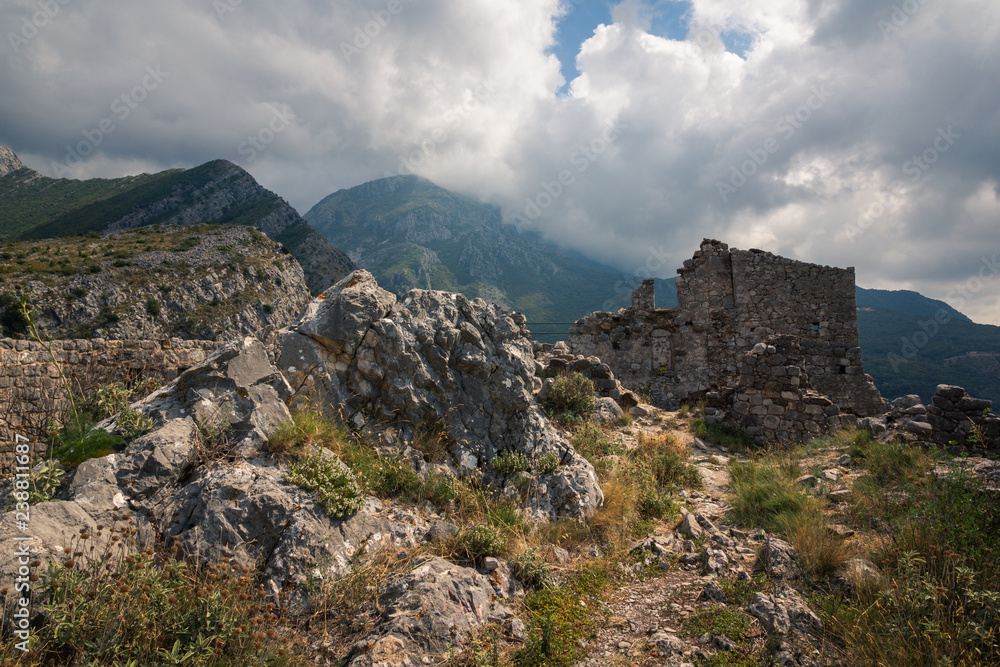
775,401
728,301
32,390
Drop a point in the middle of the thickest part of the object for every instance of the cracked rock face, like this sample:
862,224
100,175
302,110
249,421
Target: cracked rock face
236,504
437,360
429,609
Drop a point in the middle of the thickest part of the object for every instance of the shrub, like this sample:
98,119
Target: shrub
593,443
14,318
336,488
572,395
132,423
531,569
481,542
510,463
547,463
152,307
75,448
176,615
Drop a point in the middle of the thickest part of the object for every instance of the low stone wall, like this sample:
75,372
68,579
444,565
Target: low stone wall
32,388
555,360
953,417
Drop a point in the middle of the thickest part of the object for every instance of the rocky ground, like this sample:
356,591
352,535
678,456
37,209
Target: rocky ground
444,499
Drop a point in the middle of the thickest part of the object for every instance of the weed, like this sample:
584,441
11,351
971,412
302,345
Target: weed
563,617
509,463
547,463
761,494
336,488
179,614
531,569
572,395
73,447
480,542
132,423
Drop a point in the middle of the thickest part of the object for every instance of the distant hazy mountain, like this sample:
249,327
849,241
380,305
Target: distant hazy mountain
33,206
411,233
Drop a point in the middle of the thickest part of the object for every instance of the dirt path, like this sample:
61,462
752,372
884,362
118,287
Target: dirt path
644,614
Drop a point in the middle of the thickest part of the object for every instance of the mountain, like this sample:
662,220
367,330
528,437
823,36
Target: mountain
411,233
36,207
210,282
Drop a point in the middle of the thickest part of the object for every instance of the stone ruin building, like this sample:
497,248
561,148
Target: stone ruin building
769,343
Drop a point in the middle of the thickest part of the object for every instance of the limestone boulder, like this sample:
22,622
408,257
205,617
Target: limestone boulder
436,360
435,606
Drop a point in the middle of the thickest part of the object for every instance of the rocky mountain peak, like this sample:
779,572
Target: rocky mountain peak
8,161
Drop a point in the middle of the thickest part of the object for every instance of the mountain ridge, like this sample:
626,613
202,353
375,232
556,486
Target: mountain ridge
217,191
410,232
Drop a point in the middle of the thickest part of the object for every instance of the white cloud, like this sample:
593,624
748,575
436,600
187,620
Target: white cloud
466,95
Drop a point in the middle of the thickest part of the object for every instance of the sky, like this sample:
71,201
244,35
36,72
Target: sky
859,133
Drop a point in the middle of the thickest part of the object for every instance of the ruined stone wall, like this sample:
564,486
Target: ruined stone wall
32,391
775,402
728,301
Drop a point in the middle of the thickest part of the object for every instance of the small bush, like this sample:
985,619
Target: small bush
531,569
152,307
132,423
592,443
14,319
547,463
106,609
506,464
481,542
573,395
336,487
76,448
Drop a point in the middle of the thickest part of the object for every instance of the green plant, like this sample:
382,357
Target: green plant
152,307
531,569
547,463
132,423
179,614
761,494
336,487
45,482
509,463
592,443
480,542
15,314
572,395
108,399
73,447
559,623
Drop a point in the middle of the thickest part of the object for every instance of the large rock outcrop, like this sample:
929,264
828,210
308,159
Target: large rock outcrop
201,476
438,360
